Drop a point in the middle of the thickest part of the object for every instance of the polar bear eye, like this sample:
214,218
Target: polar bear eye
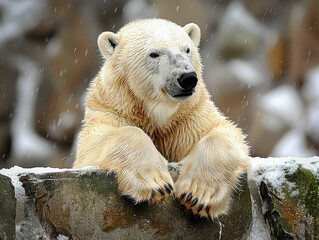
154,55
188,50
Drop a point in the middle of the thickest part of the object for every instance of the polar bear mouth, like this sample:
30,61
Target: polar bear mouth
179,94
182,95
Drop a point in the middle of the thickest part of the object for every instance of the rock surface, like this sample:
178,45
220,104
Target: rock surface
280,202
7,209
289,190
86,205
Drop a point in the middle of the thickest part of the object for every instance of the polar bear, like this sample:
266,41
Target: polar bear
148,105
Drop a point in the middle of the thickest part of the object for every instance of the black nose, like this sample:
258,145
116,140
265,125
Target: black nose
188,80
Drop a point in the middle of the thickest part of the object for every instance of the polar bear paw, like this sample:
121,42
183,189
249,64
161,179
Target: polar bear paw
202,196
145,187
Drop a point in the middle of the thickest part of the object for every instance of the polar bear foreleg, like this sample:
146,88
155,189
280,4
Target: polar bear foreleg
141,170
210,172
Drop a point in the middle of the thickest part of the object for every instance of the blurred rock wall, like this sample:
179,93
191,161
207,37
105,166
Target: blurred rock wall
261,66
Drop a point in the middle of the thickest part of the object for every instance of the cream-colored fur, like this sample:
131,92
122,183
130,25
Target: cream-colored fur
133,125
160,112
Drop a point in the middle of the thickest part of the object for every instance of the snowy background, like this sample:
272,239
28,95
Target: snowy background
261,66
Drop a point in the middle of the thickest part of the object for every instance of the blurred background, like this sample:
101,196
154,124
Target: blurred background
260,57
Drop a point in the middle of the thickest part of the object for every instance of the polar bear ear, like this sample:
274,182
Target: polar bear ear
107,42
193,32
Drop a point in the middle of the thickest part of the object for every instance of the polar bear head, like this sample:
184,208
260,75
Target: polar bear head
158,59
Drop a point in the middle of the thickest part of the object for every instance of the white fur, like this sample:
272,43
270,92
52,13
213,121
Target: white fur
194,32
161,112
105,42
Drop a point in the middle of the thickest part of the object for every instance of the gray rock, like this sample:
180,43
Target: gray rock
239,34
290,195
87,205
7,209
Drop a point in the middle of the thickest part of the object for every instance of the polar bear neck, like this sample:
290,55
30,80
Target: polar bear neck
161,112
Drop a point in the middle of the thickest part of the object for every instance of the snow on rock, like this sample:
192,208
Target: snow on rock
237,18
66,122
86,204
289,199
282,107
15,21
279,174
259,229
28,225
16,170
62,237
273,170
26,141
310,89
245,72
271,164
293,143
235,75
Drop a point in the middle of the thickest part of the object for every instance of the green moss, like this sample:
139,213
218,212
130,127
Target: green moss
101,183
308,187
286,225
293,209
307,235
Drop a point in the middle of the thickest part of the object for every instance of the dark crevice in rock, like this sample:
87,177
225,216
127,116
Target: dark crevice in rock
272,216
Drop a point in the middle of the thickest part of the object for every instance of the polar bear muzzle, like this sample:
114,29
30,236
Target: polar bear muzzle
185,86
